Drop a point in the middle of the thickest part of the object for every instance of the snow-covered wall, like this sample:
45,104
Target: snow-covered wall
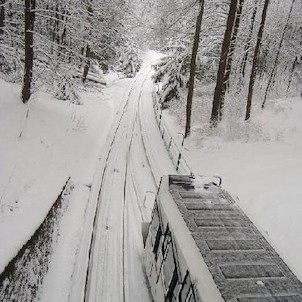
23,276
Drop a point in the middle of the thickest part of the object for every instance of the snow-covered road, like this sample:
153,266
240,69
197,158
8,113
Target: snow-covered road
135,161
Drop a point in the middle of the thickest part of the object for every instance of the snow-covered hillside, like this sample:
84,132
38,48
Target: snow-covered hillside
260,162
44,143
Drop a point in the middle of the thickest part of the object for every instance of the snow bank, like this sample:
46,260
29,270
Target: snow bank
262,165
19,220
43,143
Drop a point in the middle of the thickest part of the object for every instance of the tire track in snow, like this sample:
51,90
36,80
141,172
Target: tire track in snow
87,292
134,203
120,114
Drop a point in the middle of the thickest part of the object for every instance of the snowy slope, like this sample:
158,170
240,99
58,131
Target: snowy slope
41,145
112,150
261,163
112,142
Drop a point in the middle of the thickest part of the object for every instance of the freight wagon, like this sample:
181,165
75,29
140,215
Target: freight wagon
200,246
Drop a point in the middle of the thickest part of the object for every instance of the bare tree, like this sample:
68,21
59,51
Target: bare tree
2,16
88,49
248,44
219,93
233,45
87,64
292,69
255,61
278,54
193,68
30,6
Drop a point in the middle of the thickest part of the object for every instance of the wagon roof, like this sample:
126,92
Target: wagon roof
244,266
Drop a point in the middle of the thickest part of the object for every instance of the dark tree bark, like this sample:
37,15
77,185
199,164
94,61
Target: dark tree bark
88,49
193,69
270,80
248,44
87,65
2,16
57,25
233,45
29,52
219,94
255,62
63,35
294,65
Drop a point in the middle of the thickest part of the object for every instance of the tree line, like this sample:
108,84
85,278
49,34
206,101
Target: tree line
242,47
58,40
238,45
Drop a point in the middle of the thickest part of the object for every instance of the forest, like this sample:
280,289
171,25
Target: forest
100,100
237,51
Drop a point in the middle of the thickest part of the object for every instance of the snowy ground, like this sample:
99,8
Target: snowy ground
260,165
111,148
115,271
41,145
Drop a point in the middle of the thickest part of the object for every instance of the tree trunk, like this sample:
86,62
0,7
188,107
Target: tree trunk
248,44
255,62
193,69
29,53
277,55
295,63
63,35
233,45
2,16
87,65
56,36
88,49
219,94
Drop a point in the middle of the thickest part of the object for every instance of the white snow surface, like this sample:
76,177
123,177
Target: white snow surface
136,159
111,148
261,167
43,143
